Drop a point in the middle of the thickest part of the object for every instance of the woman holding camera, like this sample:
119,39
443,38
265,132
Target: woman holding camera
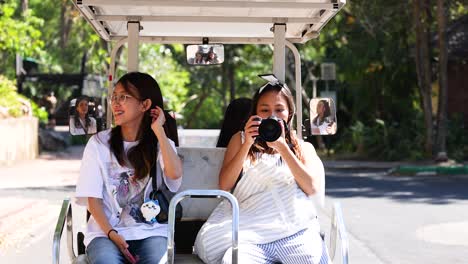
278,220
114,179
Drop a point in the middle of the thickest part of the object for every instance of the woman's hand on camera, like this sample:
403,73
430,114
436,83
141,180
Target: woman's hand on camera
281,141
251,129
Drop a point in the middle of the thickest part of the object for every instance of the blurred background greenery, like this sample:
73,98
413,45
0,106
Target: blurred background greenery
374,44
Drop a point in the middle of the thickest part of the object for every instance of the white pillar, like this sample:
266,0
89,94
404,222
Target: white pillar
112,79
297,68
133,41
279,52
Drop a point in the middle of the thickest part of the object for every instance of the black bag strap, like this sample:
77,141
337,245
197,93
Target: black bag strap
154,177
154,181
237,181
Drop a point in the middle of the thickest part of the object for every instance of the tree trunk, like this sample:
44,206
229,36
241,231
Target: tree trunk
443,59
224,81
65,25
232,83
24,6
423,69
230,69
197,107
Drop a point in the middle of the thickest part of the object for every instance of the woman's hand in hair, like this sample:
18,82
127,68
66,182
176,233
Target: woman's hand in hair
251,129
158,118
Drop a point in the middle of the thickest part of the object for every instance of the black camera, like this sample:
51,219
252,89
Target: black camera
270,128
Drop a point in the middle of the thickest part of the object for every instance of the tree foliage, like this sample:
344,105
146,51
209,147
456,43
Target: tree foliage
19,34
372,42
69,40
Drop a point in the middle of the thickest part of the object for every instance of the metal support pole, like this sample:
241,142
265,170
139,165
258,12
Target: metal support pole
133,41
279,52
297,68
65,217
202,194
112,79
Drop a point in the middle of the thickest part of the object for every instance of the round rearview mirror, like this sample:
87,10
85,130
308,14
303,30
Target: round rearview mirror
323,116
82,116
206,54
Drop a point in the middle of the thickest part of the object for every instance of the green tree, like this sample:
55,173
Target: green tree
70,42
19,34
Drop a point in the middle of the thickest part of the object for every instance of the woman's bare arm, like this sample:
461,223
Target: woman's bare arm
234,158
237,152
303,172
96,208
172,162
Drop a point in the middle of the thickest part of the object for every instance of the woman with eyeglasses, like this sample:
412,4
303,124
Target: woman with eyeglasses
277,217
114,179
80,122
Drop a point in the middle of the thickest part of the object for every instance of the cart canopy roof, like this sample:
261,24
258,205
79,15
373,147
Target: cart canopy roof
225,21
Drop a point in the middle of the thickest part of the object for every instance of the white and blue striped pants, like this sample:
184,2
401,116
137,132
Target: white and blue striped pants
306,246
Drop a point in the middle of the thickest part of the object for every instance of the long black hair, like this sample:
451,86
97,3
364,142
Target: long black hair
141,157
235,117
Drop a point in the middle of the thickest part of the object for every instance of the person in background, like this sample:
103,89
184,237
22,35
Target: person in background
323,123
81,123
212,58
50,103
199,58
234,120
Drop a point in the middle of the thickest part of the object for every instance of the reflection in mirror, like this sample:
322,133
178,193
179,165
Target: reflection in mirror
206,54
323,116
82,117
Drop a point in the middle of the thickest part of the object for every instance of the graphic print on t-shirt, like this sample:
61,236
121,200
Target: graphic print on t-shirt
129,193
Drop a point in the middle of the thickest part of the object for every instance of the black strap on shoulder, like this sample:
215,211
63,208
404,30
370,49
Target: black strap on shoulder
154,180
237,181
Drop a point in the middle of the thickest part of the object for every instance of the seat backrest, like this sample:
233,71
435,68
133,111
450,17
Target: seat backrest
201,170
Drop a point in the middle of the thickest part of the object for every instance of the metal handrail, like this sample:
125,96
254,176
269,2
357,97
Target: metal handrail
202,194
65,216
338,231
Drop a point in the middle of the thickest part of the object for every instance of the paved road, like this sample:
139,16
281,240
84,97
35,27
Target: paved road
31,194
390,219
403,220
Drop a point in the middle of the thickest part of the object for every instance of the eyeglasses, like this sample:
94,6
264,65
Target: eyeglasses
120,99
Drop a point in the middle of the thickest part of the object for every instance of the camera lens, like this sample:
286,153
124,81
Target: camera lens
269,130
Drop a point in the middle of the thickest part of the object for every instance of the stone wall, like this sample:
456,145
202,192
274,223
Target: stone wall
18,139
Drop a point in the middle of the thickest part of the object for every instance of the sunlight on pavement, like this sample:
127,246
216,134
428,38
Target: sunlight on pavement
452,233
23,221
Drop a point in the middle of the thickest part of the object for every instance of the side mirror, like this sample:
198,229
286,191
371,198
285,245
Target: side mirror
206,54
82,116
323,116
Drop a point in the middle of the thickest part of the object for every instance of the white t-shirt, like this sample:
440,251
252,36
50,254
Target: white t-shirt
101,176
92,128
